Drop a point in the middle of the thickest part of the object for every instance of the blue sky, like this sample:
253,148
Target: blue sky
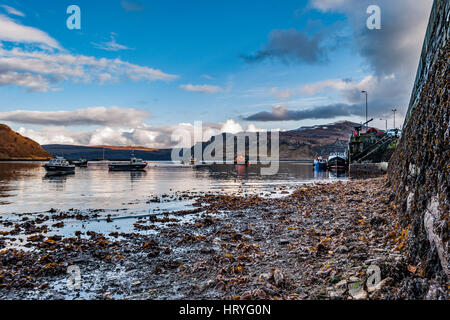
219,61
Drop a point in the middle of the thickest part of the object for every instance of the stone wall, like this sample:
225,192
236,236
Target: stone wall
419,169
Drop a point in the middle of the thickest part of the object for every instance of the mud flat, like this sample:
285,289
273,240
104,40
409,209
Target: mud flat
335,240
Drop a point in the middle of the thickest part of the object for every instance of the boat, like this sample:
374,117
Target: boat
59,165
320,164
134,164
337,160
80,163
241,160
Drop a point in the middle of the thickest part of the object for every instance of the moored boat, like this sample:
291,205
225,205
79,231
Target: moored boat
320,163
134,164
59,165
80,163
337,160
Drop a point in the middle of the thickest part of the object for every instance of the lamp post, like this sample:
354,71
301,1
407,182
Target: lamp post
367,125
394,110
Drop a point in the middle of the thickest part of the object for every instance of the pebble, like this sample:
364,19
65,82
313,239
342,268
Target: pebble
360,295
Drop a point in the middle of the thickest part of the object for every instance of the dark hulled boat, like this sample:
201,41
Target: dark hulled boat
337,160
59,165
81,163
134,164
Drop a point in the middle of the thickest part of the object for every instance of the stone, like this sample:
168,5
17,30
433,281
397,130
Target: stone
342,283
342,249
278,277
360,295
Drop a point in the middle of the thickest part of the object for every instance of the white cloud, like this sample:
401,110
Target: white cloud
12,11
140,135
368,83
283,94
38,67
391,56
111,45
102,116
201,88
34,83
207,76
326,5
13,32
55,67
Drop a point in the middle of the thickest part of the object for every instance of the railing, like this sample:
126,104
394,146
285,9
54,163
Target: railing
385,141
371,147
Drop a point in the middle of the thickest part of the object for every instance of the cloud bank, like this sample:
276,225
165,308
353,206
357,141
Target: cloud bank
140,135
391,57
42,64
201,88
101,116
12,11
290,46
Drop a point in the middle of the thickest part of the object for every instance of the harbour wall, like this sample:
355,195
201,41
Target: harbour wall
419,169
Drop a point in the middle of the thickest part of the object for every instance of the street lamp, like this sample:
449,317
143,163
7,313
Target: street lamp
394,110
367,125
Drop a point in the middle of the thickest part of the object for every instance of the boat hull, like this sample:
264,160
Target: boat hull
49,168
81,164
127,167
320,166
337,163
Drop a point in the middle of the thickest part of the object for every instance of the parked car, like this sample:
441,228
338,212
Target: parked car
394,132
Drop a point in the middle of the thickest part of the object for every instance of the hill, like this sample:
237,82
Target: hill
309,142
306,143
300,144
14,146
118,153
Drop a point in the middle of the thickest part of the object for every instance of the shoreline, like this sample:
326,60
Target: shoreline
316,243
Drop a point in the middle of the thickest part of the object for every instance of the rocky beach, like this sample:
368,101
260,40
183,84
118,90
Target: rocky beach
338,240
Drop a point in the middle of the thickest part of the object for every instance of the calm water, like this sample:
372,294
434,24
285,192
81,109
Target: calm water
25,188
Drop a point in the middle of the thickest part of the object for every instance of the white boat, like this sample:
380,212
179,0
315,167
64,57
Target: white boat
59,165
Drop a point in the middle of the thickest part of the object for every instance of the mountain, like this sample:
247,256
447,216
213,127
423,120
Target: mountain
306,143
14,146
300,144
309,142
118,153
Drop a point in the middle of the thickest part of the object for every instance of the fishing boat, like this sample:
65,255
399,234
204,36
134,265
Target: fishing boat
337,160
134,164
59,165
320,164
80,163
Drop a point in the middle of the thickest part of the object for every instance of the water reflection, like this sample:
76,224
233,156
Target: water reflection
137,175
58,179
25,187
287,170
337,174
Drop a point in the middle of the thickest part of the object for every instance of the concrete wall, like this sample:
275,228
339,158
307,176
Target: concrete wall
419,169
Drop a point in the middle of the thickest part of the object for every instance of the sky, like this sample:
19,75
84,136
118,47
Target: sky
136,71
